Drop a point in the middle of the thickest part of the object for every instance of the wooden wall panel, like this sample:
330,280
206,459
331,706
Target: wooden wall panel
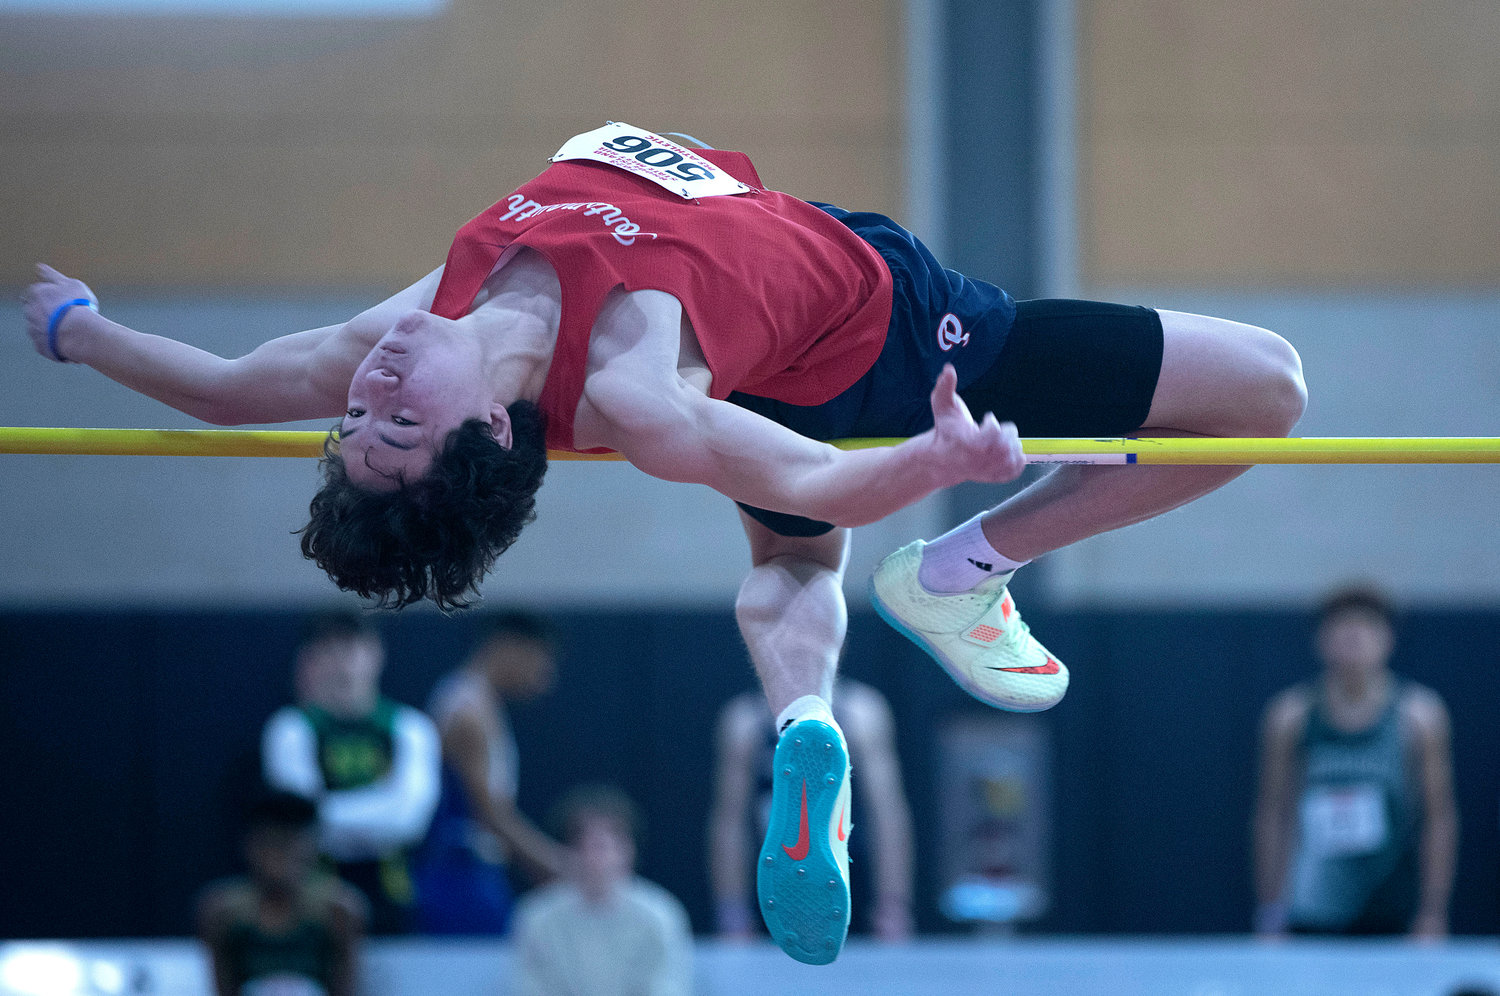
244,152
1298,142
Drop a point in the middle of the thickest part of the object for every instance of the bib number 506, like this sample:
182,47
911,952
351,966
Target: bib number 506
646,151
649,156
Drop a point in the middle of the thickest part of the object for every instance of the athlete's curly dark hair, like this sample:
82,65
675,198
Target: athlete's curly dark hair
438,536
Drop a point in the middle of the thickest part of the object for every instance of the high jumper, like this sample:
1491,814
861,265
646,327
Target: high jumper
663,303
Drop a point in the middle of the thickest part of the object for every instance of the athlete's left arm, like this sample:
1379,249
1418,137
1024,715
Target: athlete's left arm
1426,718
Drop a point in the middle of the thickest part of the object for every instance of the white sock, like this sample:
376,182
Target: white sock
806,707
960,559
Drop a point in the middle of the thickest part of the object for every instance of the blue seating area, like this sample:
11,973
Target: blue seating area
1040,967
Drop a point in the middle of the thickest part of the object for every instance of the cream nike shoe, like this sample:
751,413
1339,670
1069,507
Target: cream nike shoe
977,636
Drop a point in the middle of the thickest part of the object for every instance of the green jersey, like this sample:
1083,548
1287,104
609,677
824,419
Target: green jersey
1355,867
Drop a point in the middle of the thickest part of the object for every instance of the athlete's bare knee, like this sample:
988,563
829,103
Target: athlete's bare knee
1281,392
1262,393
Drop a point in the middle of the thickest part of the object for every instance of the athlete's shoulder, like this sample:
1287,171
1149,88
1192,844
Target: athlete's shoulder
1287,712
288,724
1422,710
224,903
744,719
860,707
403,714
460,692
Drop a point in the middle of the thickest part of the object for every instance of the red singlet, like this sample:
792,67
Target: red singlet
787,302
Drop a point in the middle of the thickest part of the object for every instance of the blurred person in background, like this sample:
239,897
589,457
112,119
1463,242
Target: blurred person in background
370,764
603,931
1356,828
462,876
288,928
741,813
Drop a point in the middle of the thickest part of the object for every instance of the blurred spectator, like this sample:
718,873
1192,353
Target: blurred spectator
1356,830
462,882
604,931
370,764
288,928
742,804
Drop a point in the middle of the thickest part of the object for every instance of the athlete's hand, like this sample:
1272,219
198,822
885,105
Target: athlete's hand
42,298
1430,927
988,451
893,923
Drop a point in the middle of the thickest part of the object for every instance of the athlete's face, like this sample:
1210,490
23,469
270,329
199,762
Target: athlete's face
281,858
342,674
1356,643
519,668
422,380
605,855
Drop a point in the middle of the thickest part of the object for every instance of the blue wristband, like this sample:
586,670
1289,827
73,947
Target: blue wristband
56,320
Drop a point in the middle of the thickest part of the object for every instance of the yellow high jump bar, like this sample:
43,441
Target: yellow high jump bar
1151,450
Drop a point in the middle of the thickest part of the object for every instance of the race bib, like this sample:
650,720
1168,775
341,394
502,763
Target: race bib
1344,820
660,160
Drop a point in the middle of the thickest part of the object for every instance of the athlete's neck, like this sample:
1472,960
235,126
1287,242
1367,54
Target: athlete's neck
601,894
1354,701
276,906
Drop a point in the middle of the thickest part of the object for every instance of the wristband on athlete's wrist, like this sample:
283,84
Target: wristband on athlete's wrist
56,319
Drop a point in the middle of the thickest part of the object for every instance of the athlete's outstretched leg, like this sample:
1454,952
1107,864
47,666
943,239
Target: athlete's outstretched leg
1217,378
792,615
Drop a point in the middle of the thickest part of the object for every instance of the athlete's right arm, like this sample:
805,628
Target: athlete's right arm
348,915
871,730
1281,733
289,754
213,927
466,751
300,376
728,840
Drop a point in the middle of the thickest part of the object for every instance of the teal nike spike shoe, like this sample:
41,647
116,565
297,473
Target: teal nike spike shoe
802,877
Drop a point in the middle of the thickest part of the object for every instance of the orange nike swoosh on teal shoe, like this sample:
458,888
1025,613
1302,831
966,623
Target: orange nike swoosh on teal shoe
798,851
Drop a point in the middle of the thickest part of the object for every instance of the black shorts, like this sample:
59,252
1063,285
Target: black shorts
1073,368
1053,367
1068,368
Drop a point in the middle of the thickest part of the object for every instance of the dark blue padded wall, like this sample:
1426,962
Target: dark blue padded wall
129,741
